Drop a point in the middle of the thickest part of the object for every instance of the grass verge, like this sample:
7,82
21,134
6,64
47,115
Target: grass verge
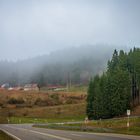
109,126
21,120
3,136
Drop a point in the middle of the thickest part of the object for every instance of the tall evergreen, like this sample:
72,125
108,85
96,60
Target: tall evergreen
110,94
90,98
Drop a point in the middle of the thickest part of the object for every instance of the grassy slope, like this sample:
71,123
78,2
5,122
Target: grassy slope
31,97
68,105
61,113
68,112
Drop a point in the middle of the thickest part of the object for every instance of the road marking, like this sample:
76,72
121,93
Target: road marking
45,134
50,135
17,128
76,135
13,136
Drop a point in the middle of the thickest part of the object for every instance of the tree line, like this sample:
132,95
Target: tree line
111,94
73,65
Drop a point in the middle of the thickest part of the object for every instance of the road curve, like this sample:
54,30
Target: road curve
27,132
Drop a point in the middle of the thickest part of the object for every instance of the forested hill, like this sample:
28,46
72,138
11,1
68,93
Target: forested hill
117,89
75,64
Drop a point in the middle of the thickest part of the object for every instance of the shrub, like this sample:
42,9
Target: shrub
15,101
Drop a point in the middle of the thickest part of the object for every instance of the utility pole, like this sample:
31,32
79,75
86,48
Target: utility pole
68,81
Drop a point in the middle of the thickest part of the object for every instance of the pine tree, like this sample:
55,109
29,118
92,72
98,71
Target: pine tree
90,98
110,94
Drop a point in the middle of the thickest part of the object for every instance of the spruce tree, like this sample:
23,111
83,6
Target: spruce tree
110,94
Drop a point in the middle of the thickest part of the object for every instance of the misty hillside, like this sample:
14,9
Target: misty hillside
75,65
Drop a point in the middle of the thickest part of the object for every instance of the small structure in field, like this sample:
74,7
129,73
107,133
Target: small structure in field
28,87
5,86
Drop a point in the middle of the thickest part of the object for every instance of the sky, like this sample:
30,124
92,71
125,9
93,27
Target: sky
29,28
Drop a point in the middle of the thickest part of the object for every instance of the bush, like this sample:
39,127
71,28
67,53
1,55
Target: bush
16,101
41,102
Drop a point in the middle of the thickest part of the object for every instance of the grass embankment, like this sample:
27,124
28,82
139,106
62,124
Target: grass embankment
43,106
61,113
3,136
109,126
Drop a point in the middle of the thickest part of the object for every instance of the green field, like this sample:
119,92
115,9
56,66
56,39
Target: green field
20,120
80,88
3,136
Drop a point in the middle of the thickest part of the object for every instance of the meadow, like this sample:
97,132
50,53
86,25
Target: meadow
62,106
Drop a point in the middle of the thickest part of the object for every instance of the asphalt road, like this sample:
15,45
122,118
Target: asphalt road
27,132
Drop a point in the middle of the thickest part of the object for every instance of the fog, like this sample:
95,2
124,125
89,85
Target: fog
29,28
75,64
56,41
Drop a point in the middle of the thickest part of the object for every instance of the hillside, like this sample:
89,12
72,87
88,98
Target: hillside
18,99
75,65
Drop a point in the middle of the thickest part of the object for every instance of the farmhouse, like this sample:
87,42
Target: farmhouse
28,87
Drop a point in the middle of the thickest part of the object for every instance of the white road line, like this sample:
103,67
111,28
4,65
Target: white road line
133,137
17,128
54,136
76,135
45,134
11,135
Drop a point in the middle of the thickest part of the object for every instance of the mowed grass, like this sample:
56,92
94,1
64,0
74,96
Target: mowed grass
3,136
19,120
